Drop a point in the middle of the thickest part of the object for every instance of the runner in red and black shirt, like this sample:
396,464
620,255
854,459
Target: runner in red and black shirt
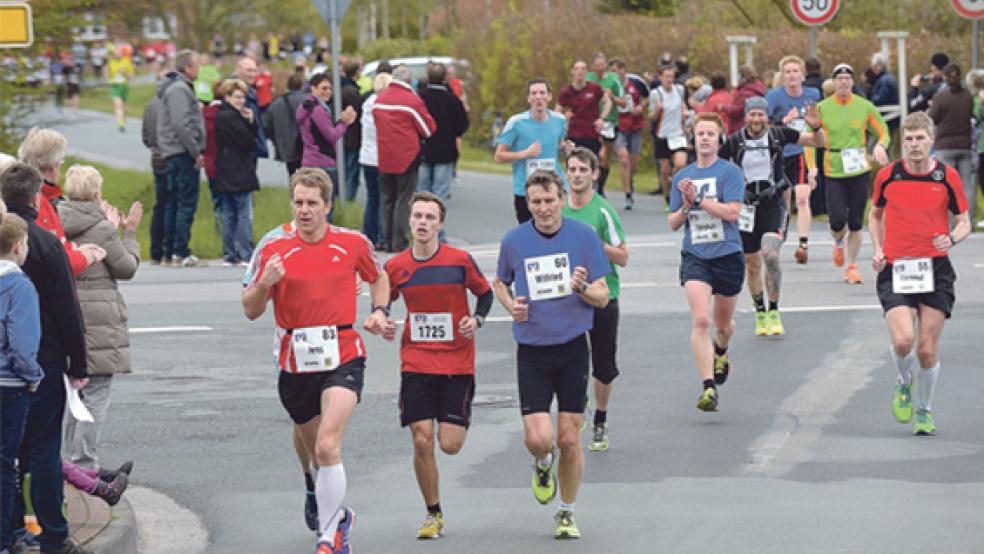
585,105
310,273
437,349
910,229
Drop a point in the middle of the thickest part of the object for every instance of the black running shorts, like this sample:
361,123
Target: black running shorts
795,170
446,398
770,217
942,298
724,274
556,369
604,340
300,393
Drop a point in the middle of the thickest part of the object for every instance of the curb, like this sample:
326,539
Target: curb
120,535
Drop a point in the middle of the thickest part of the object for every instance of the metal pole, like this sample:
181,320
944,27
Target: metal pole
813,41
336,87
903,82
749,55
733,57
977,42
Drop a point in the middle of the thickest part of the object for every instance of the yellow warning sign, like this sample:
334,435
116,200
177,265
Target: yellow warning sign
15,25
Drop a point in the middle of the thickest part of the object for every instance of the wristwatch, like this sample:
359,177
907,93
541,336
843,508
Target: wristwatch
583,288
479,320
953,241
384,309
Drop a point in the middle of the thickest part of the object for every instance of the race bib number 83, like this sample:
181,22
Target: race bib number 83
315,348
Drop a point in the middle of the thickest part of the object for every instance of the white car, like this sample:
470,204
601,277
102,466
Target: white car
418,66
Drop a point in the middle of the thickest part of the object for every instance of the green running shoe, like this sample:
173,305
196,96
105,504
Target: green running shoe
722,367
761,324
599,440
902,402
545,480
924,426
774,326
566,525
708,401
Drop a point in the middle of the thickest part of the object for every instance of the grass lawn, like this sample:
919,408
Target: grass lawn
122,187
97,99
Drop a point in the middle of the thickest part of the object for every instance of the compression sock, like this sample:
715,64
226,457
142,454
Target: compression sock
308,482
759,300
600,417
330,491
926,384
709,384
773,305
435,509
904,364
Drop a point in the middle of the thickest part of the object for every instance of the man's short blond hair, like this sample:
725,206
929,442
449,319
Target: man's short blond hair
82,183
792,59
43,149
918,121
312,177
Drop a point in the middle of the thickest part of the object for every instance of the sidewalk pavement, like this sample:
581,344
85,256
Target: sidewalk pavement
101,529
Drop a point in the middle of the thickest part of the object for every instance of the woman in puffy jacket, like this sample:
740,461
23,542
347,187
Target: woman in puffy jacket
235,171
89,220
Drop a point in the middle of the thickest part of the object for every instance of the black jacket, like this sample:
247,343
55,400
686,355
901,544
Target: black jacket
452,122
352,97
235,166
280,122
62,327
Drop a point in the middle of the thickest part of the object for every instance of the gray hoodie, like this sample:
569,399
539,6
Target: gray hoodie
180,124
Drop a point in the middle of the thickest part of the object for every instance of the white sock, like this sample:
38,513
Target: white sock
329,491
926,378
566,506
904,364
546,460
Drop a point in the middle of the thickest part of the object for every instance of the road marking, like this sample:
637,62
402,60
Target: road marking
174,329
808,309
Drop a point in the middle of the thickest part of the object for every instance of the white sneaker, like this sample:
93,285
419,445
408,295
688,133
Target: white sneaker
193,261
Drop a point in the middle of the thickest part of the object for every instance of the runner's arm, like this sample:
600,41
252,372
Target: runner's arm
876,229
379,290
255,300
962,229
606,105
483,304
618,255
728,211
596,294
503,294
504,155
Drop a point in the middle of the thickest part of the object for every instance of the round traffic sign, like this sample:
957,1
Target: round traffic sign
971,9
819,12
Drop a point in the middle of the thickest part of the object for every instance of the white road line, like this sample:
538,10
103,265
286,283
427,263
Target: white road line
979,266
807,309
174,329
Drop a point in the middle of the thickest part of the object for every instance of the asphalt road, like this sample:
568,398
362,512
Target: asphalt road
803,456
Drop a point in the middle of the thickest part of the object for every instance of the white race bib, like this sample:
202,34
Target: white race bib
676,143
746,218
912,276
315,348
704,227
608,130
548,276
798,124
437,327
533,164
853,160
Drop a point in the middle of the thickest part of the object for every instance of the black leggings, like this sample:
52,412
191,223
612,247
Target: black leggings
847,198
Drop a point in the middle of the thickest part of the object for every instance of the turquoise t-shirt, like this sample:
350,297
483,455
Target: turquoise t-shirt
521,131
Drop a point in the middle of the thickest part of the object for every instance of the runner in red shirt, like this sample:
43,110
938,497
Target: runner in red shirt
910,229
264,86
311,276
437,349
583,102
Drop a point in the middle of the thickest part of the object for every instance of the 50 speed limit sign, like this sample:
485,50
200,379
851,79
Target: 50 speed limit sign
814,12
971,9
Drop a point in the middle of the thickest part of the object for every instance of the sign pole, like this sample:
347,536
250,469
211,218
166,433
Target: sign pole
336,87
813,41
973,10
977,43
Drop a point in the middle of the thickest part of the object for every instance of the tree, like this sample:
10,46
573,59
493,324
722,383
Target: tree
659,8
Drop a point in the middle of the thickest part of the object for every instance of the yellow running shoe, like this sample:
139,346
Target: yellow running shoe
775,327
566,525
545,480
708,401
432,527
761,324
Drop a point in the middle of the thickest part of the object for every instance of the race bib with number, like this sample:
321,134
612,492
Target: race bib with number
437,327
676,143
853,160
746,218
799,125
315,348
912,276
608,130
704,227
547,164
548,276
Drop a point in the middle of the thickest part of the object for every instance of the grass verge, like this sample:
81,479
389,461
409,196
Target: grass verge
97,99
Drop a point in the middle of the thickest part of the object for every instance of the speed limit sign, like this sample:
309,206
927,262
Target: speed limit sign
971,9
819,12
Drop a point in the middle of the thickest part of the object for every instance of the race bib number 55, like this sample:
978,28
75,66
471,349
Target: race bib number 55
913,276
548,276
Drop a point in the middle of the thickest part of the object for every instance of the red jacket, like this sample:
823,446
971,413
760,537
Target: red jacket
402,121
48,219
736,111
211,146
717,102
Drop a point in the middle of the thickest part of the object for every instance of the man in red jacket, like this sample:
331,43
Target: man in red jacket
402,121
44,150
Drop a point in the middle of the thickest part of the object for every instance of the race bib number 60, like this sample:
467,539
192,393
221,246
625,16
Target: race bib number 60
315,348
548,276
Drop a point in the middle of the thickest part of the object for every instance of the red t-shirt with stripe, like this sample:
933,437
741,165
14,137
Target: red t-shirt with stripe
318,288
436,285
916,208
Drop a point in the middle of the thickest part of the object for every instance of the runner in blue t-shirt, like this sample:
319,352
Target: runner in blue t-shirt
786,107
706,200
558,268
531,140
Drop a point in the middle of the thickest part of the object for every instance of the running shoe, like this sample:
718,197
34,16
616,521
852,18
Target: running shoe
666,207
566,525
545,480
432,527
774,326
311,511
324,547
801,255
629,202
924,426
761,324
708,402
852,276
599,441
342,545
722,367
838,255
902,402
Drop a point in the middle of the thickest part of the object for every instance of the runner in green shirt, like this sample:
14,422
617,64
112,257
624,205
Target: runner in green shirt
208,75
591,209
846,119
613,88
